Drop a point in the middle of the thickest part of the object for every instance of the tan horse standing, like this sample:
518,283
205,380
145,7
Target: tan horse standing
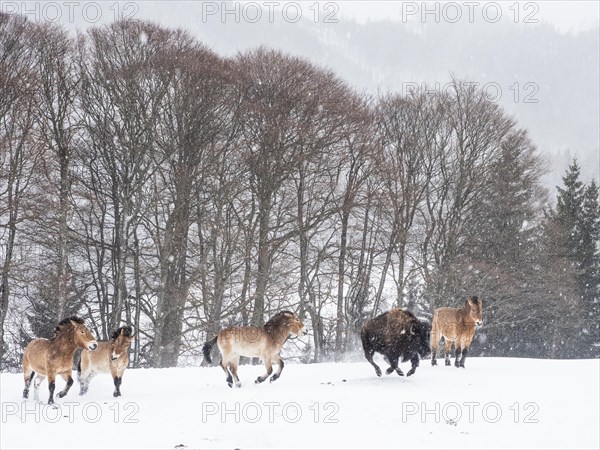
264,342
52,357
456,326
110,357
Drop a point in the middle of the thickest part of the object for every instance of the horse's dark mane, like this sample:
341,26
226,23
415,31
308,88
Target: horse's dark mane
277,321
73,318
67,321
127,331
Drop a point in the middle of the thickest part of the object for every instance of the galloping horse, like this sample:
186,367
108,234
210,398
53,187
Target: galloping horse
456,325
110,357
51,357
264,342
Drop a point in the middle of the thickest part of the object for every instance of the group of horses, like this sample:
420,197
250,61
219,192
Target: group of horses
52,357
397,334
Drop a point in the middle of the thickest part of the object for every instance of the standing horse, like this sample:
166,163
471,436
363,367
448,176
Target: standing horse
264,342
457,326
51,357
110,357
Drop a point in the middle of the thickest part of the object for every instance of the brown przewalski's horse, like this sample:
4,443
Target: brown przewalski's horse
110,357
456,326
264,342
52,357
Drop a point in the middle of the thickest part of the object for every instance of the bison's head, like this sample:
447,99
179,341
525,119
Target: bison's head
420,337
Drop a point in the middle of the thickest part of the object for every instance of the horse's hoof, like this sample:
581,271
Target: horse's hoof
61,394
273,378
389,370
378,372
259,380
400,373
410,372
51,402
238,384
230,384
116,394
448,363
433,362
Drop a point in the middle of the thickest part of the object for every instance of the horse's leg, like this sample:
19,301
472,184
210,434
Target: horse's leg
36,386
447,348
224,366
280,365
84,381
28,375
233,366
465,347
69,379
464,356
415,363
51,386
117,380
269,366
458,352
435,341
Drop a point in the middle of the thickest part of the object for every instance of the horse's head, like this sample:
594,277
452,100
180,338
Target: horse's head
294,324
81,335
120,342
475,310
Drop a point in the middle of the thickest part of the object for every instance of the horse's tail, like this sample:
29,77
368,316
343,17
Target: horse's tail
207,347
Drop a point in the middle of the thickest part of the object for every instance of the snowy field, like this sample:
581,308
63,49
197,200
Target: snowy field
493,403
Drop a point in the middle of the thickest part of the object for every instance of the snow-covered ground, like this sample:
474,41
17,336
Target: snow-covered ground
493,403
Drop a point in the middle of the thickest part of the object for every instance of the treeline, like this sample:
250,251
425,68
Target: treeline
146,179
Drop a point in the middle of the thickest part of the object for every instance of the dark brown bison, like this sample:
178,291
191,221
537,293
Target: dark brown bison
398,335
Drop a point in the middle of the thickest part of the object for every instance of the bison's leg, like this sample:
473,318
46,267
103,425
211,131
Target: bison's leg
394,366
447,348
415,363
369,352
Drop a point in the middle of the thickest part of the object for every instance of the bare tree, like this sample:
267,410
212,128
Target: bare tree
122,97
19,152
